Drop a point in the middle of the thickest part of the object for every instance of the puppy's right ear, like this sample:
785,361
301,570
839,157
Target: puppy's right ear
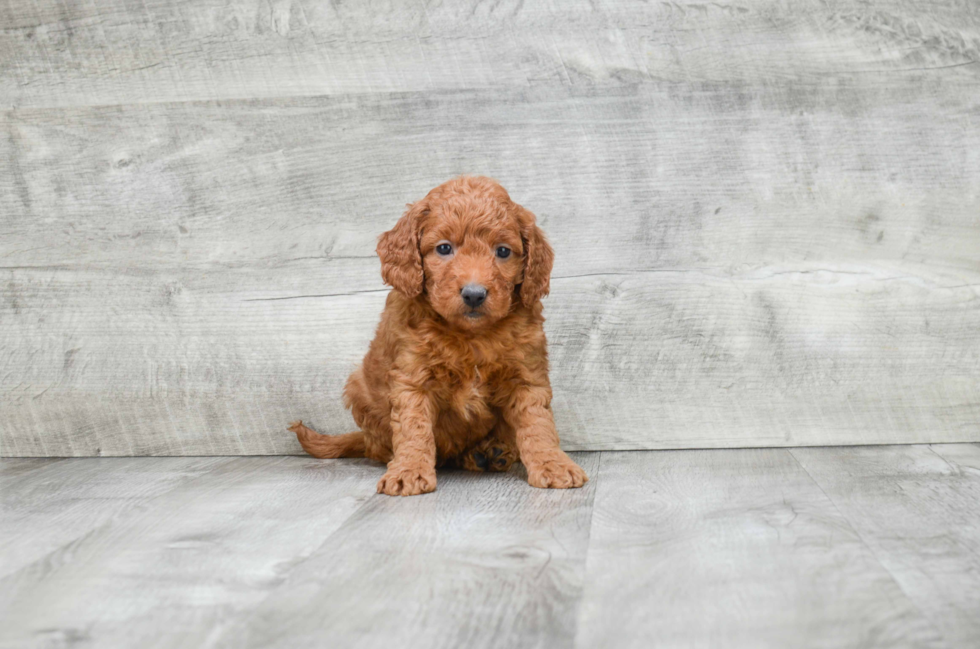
398,248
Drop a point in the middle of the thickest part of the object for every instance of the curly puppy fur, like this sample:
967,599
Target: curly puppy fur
452,376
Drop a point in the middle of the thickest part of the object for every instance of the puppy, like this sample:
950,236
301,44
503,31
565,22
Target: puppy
457,373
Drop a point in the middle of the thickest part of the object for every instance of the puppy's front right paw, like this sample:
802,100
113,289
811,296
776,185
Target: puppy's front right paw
407,481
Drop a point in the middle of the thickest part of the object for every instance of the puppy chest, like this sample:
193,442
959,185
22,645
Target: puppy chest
468,395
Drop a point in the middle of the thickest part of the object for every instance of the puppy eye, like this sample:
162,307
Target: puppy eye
444,249
503,252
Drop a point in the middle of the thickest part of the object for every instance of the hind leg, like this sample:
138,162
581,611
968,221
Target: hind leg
495,452
368,412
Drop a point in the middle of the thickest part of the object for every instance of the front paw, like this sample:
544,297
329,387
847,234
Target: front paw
407,481
555,472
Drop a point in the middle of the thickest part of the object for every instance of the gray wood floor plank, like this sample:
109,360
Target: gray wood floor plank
13,469
172,571
485,561
918,509
733,549
965,457
113,51
63,500
670,549
784,264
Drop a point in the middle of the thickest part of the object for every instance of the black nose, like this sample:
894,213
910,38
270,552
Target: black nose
474,295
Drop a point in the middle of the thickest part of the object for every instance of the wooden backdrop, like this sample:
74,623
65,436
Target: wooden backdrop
766,214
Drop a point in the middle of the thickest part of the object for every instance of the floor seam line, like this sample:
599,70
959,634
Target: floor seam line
954,469
588,549
368,501
927,618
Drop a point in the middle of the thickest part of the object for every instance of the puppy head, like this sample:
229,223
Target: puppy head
470,250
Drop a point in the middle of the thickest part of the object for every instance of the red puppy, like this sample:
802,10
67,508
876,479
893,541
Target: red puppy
458,369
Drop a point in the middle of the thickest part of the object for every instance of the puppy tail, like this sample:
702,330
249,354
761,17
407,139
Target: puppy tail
324,446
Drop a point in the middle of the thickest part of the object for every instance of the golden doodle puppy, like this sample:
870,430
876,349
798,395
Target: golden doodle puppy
457,372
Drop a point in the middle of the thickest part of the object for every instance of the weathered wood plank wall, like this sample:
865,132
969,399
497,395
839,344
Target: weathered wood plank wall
766,216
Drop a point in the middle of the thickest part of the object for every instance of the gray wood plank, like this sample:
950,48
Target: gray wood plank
733,548
677,549
172,571
918,509
703,176
965,457
119,52
745,265
485,561
11,469
62,501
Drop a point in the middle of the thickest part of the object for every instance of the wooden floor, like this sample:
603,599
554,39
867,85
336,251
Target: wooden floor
802,547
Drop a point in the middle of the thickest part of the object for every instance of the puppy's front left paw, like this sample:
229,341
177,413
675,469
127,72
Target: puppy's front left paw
557,472
407,481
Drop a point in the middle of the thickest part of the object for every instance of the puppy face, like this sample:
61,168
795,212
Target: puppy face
472,258
470,251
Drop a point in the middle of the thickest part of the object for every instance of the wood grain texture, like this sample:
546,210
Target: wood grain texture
916,508
733,548
772,247
116,52
724,548
14,468
55,504
485,561
155,567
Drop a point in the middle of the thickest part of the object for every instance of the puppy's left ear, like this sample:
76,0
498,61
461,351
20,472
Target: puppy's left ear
538,259
398,249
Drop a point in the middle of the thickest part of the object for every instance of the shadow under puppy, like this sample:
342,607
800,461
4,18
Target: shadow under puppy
457,372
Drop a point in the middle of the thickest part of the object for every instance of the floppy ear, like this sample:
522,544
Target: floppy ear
538,259
398,248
